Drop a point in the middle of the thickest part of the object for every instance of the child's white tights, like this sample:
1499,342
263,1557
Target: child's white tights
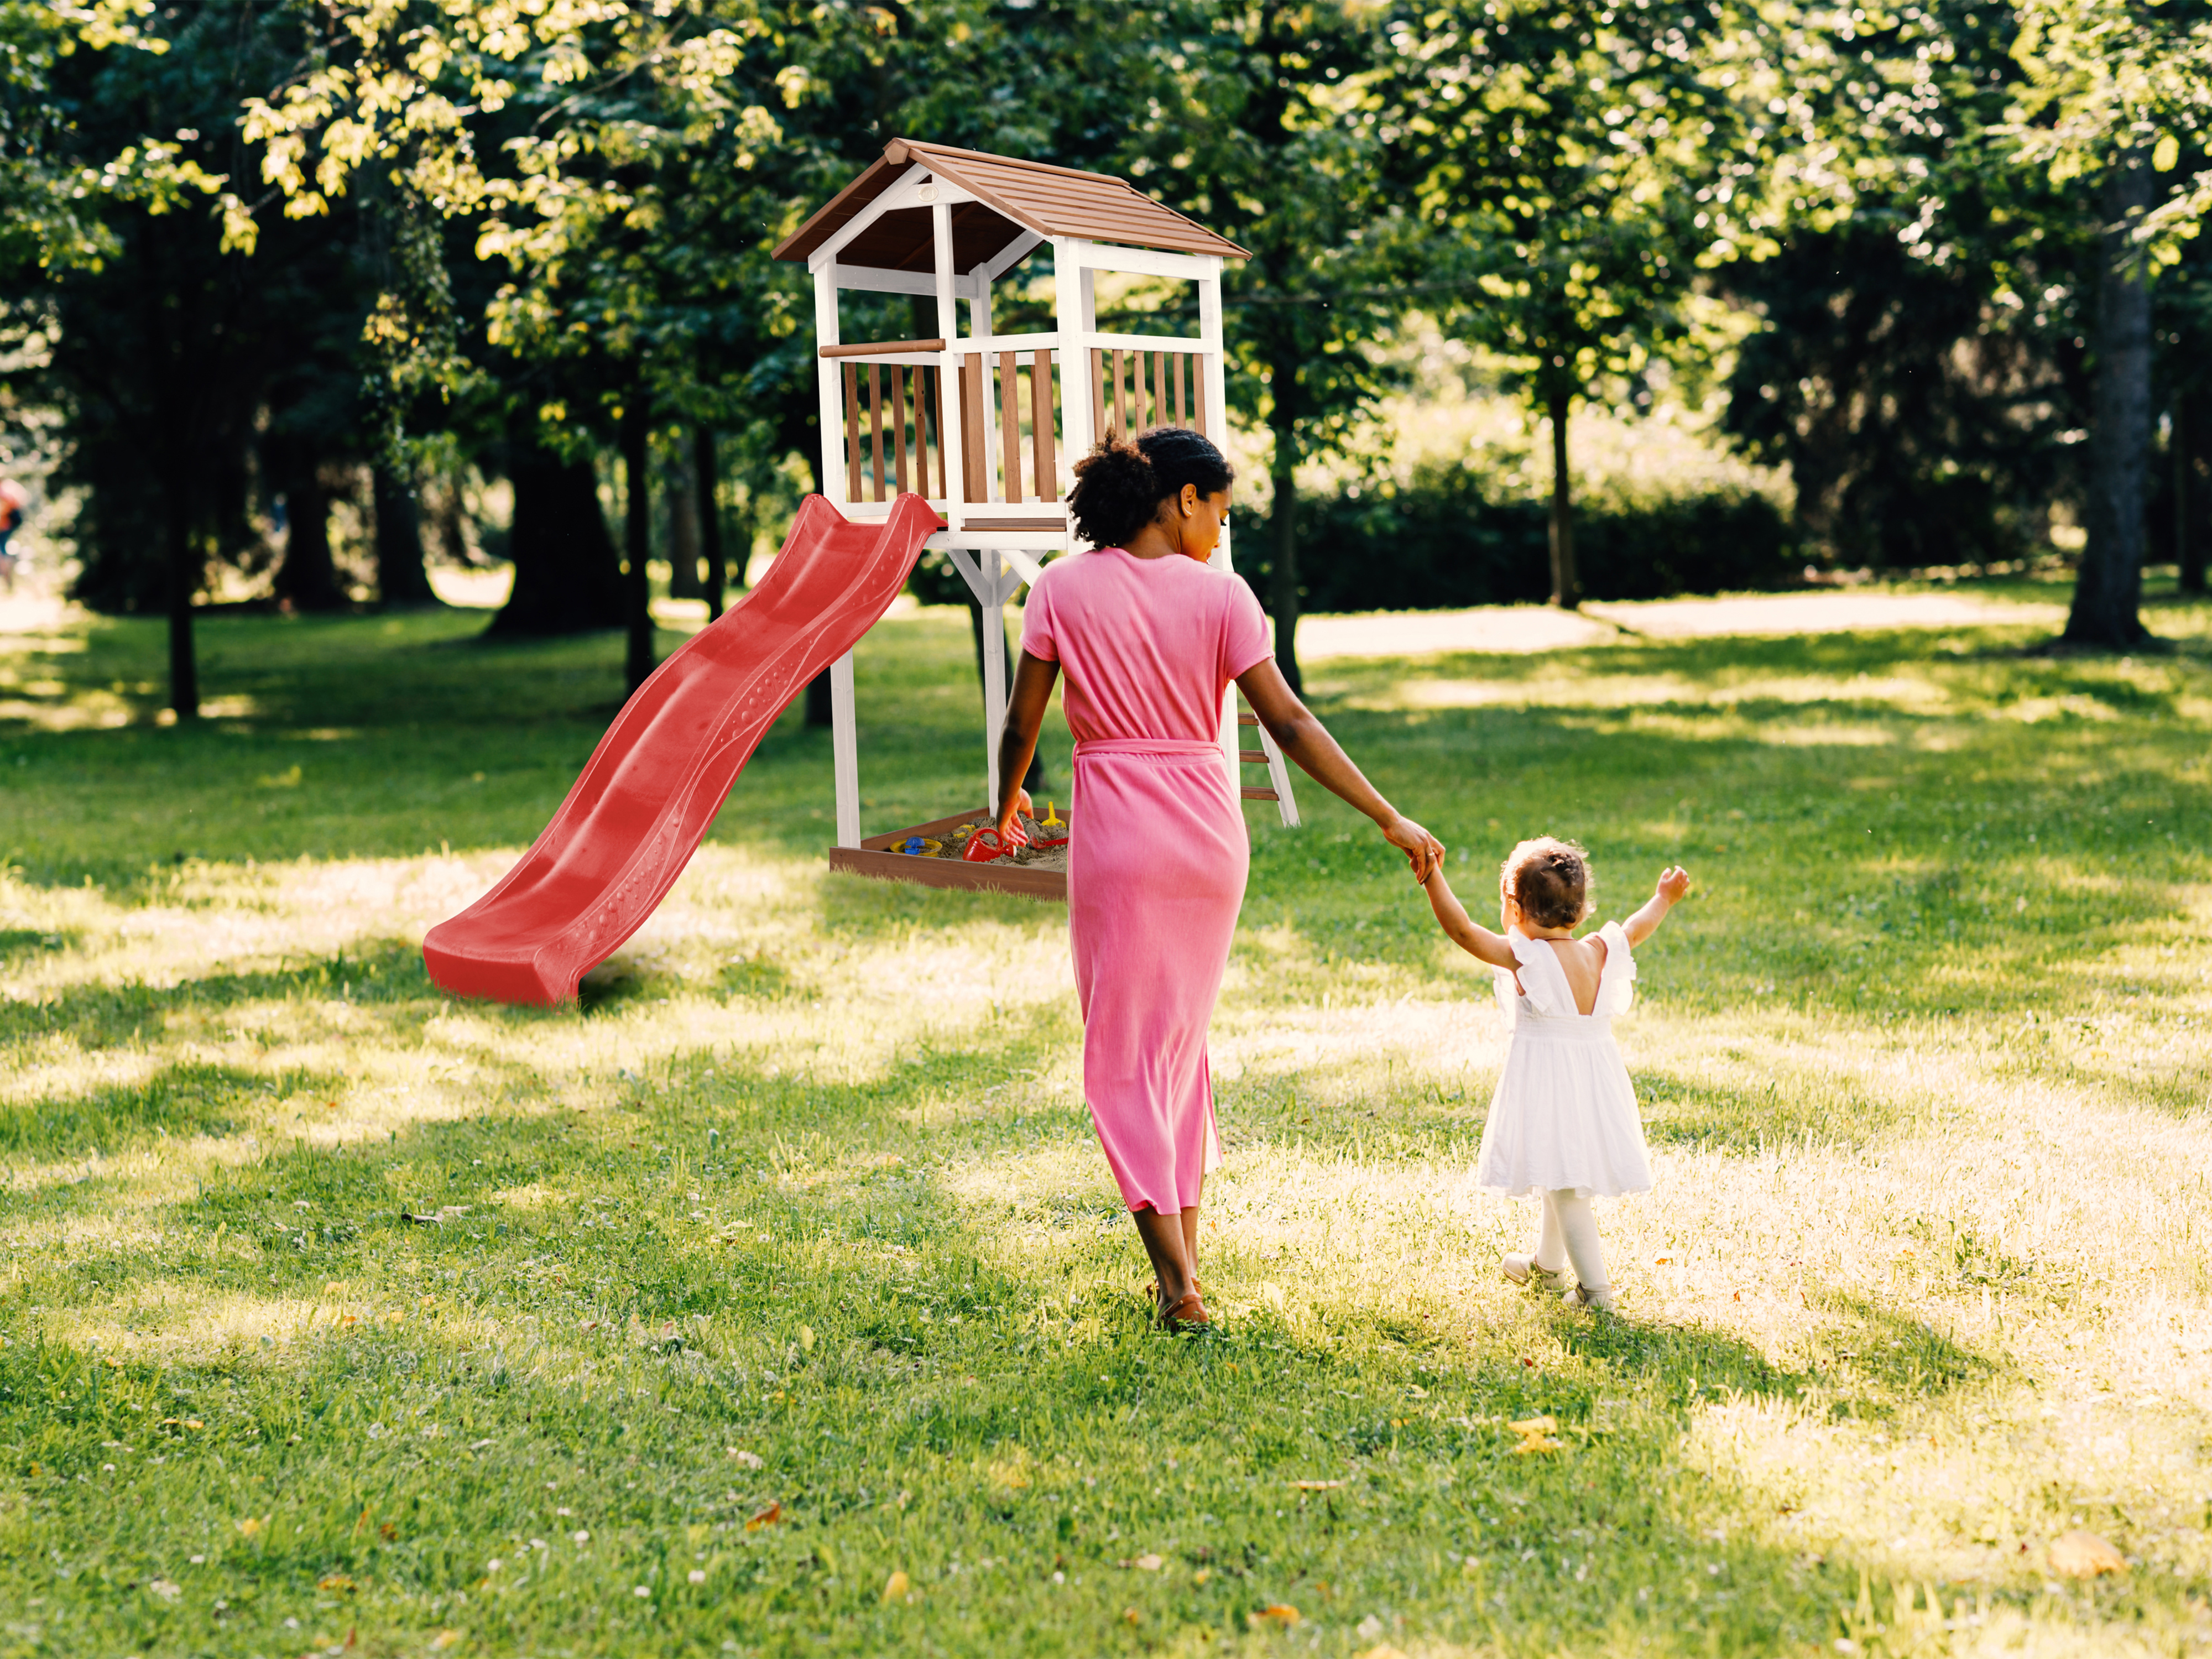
1569,1235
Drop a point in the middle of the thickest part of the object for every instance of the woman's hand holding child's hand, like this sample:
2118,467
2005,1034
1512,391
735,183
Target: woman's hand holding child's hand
1423,851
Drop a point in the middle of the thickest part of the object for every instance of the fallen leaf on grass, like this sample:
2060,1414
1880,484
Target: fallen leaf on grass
1143,1563
749,1459
167,1589
1316,1486
251,1525
444,1639
336,1581
1280,1614
2084,1555
767,1518
897,1586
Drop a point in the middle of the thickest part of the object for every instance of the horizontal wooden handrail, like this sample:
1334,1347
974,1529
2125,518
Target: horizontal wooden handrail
882,348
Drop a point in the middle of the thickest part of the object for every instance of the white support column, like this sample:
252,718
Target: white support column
995,672
1217,422
978,327
1071,285
845,750
829,379
950,428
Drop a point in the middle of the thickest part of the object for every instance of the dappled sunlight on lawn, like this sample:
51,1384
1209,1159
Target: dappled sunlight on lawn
790,1243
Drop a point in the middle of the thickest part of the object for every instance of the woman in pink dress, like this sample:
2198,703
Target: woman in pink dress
1149,637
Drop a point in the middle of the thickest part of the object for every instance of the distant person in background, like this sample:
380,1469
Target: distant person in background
15,501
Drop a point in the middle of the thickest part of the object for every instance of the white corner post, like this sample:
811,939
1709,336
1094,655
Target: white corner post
994,672
831,389
1211,355
951,379
1071,285
845,750
844,729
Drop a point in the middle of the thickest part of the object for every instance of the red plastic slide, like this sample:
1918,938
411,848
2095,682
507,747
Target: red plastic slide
658,777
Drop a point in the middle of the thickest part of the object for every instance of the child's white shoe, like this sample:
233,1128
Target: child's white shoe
1522,1268
1581,1296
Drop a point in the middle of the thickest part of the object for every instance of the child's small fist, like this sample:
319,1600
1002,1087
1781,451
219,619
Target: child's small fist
1674,881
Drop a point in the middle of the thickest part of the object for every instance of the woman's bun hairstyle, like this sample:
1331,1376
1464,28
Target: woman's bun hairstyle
1120,483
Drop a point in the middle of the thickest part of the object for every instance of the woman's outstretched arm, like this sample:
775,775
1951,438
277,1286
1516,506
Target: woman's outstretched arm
1307,741
1017,738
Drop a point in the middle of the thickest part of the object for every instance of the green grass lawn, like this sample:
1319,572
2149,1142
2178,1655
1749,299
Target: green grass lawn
776,1300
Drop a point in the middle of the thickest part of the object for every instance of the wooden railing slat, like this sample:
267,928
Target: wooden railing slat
1175,373
875,422
852,433
1047,464
1121,393
1198,394
1009,424
898,424
973,463
1098,427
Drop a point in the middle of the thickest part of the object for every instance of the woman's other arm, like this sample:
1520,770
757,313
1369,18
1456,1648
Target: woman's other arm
1470,935
1017,739
1307,741
1672,884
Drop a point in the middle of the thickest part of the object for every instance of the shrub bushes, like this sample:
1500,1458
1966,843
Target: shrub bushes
1445,539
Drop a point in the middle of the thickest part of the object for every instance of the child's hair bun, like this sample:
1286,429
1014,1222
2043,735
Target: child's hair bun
1550,880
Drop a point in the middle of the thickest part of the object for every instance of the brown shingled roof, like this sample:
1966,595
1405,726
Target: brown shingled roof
1011,196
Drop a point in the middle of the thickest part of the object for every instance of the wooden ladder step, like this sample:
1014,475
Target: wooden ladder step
1253,757
1248,720
1259,794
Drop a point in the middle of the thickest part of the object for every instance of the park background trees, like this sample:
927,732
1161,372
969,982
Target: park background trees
266,264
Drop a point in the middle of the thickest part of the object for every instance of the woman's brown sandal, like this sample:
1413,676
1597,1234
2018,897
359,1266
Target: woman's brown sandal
1189,1314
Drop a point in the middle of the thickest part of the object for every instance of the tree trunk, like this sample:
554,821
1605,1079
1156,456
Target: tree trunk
401,579
2190,445
2108,591
1283,519
184,574
567,579
706,473
637,539
683,495
1566,588
307,579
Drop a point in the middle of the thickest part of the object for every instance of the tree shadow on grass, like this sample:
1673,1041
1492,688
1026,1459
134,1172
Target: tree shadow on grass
191,1098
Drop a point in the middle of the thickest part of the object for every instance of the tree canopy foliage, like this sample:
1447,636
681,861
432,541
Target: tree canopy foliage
256,250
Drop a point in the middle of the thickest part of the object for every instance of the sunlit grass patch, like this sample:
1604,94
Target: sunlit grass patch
785,1269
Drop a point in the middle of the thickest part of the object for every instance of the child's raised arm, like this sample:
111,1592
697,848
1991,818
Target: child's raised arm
1674,881
1471,936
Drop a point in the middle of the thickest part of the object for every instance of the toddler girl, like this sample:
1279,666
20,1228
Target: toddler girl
1562,1123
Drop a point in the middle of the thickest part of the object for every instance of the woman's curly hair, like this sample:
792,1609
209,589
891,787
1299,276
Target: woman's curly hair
1120,483
1550,879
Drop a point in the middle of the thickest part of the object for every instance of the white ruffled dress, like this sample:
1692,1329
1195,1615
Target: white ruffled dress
1565,1113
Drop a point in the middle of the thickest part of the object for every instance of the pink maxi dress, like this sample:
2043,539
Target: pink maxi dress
1158,855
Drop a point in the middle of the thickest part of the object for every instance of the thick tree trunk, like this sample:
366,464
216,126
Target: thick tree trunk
567,579
1566,586
307,579
1283,519
683,495
401,579
2108,591
637,539
706,474
2190,432
185,573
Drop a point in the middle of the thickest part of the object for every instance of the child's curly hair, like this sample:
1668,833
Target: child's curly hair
1550,879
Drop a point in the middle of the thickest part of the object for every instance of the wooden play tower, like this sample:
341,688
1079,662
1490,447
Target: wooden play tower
944,225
